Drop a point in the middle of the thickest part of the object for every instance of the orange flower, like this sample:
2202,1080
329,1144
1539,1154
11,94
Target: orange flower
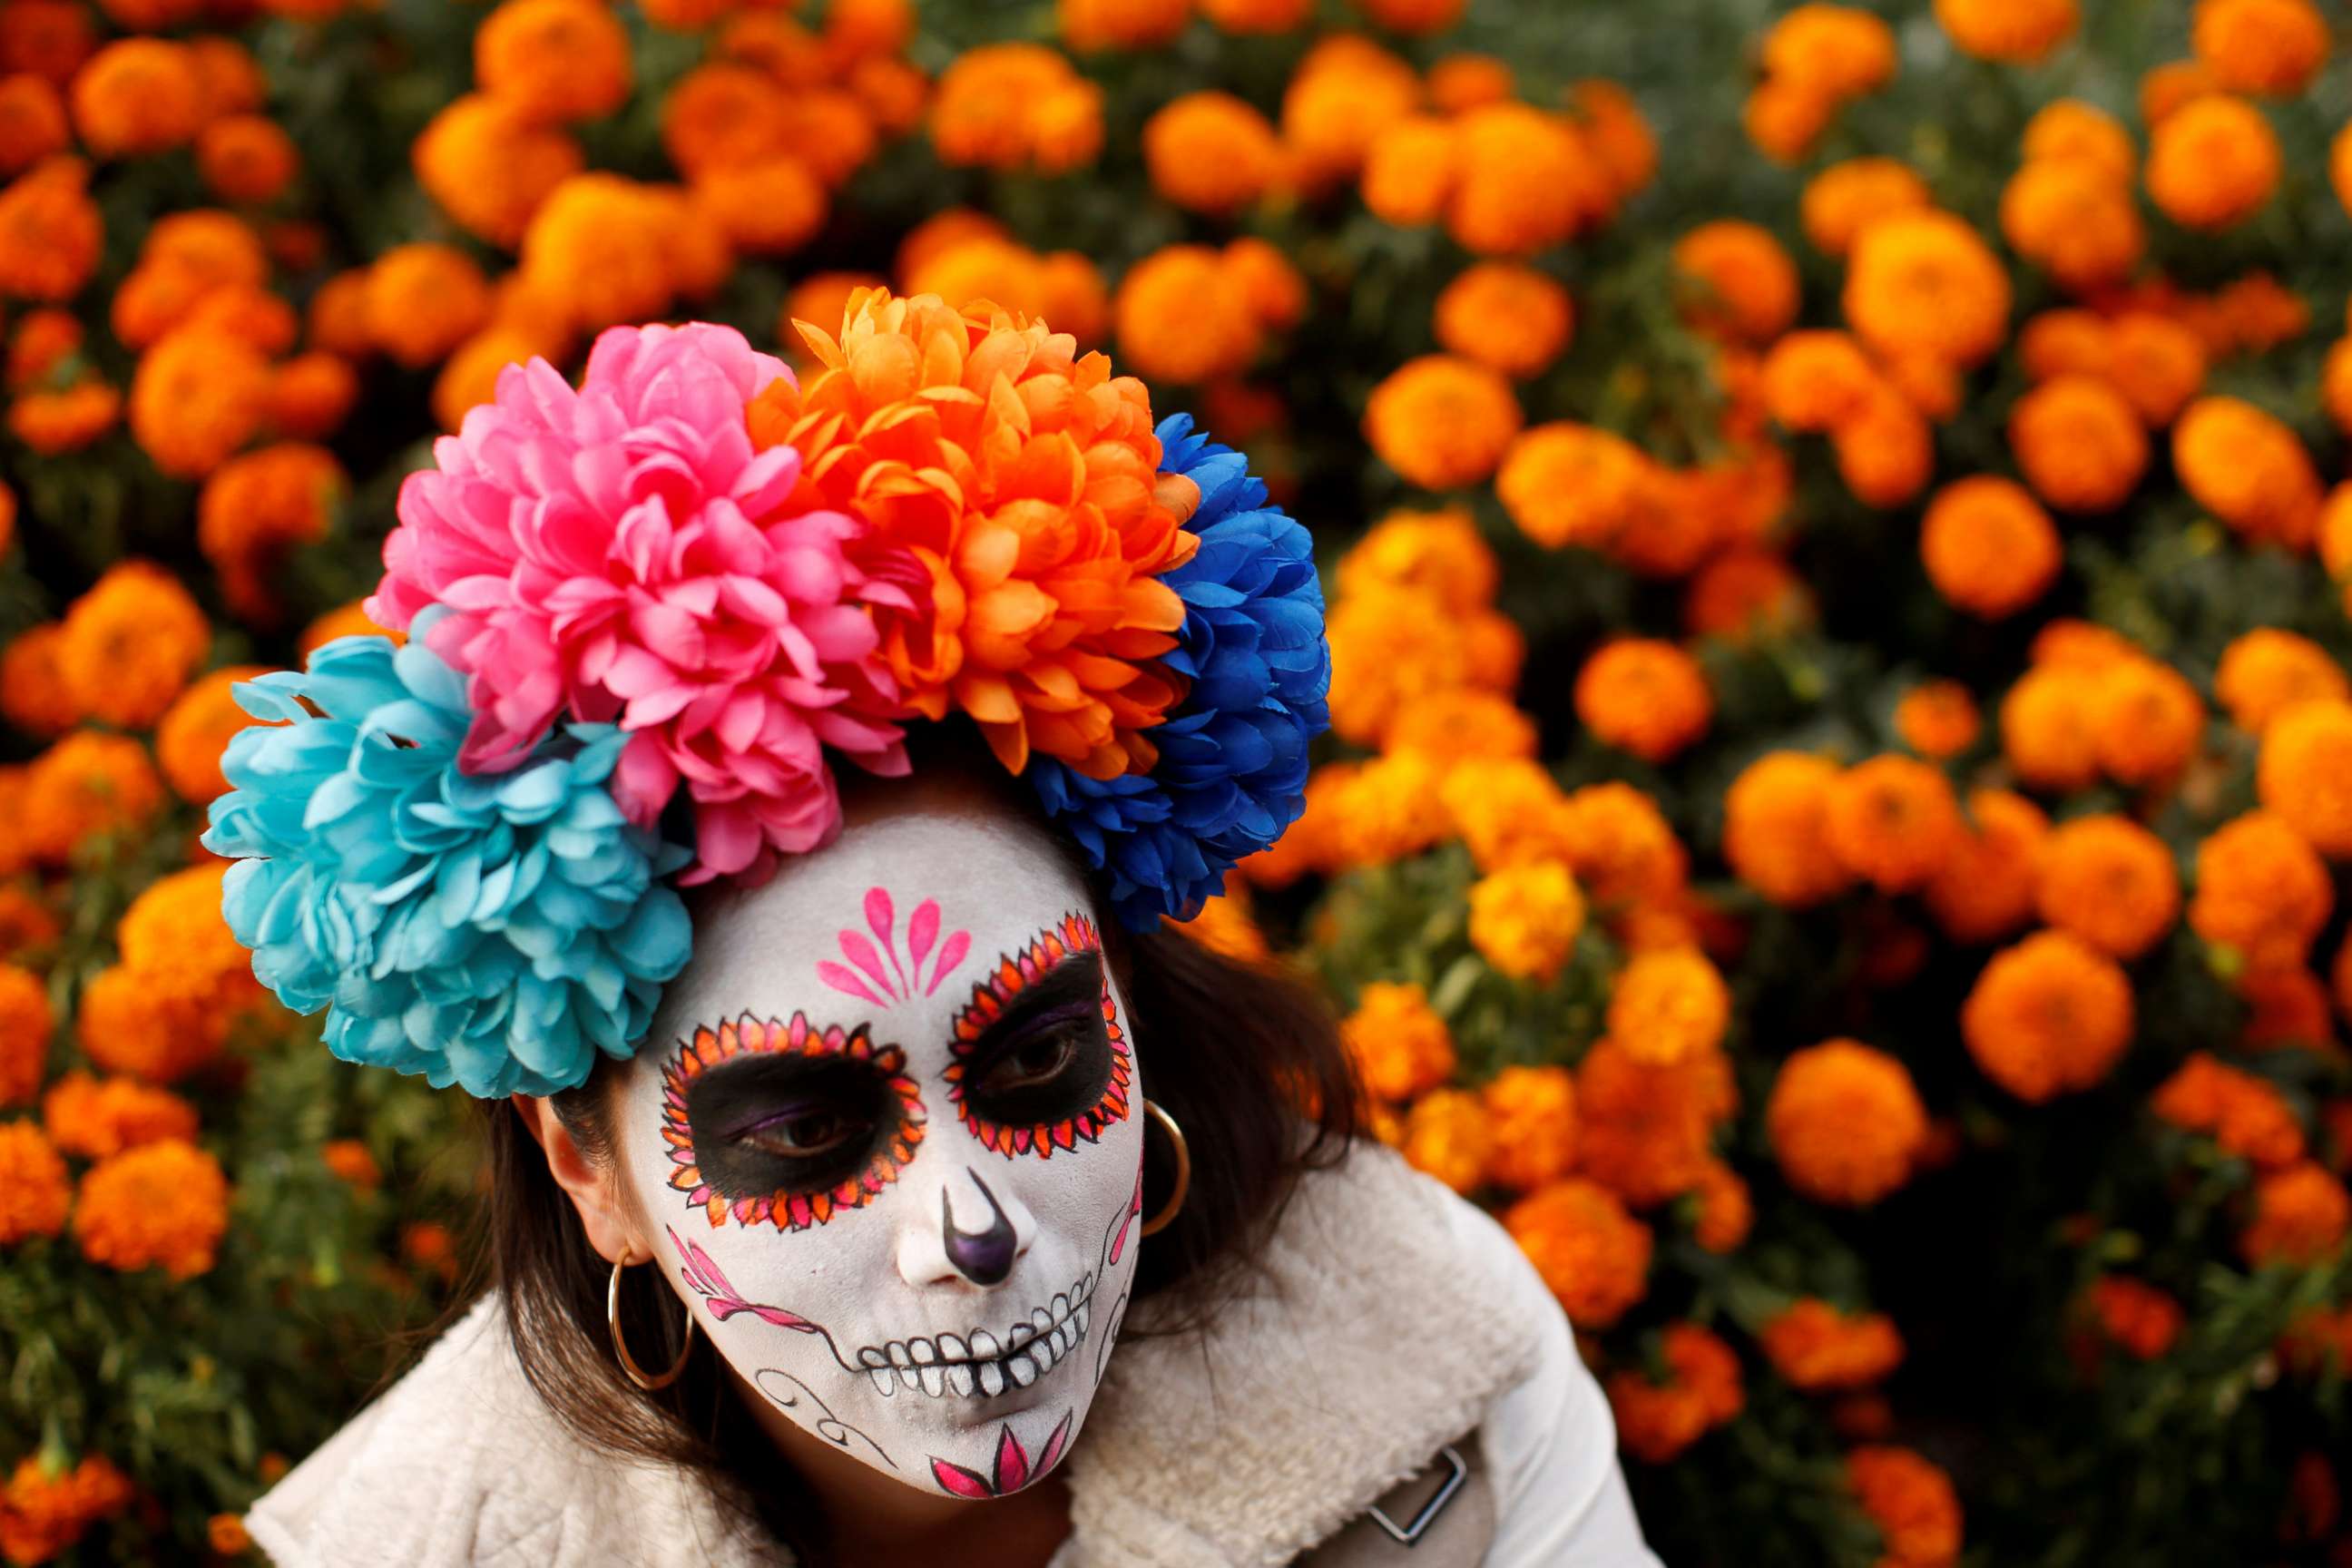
2133,1315
1387,809
1740,284
42,1514
1508,814
1525,181
26,1023
1847,198
1776,829
1622,849
1440,552
2261,893
198,396
2168,88
1525,920
2068,128
2212,164
1892,821
1462,726
96,1118
257,509
346,621
2300,1215
34,695
1910,1500
196,730
47,38
1816,380
130,643
87,786
1845,1122
1256,16
53,422
1831,51
159,1205
311,396
43,341
2021,31
1610,126
1937,719
1441,422
2271,46
137,97
2047,729
50,233
1815,1347
424,300
1746,596
2159,366
1344,94
1593,1254
1726,1212
1401,1048
34,1193
32,122
489,165
1387,649
1531,1114
1507,317
2302,775
1655,1422
1211,152
1446,1136
768,207
349,1159
2109,881
1668,1005
1989,548
1568,484
555,60
246,158
1411,169
2249,469
597,245
27,922
1886,450
2284,1008
1985,889
2080,443
1016,105
1644,1132
1182,316
2242,1112
1089,25
1045,647
1926,283
2047,1017
1644,696
1460,82
2267,671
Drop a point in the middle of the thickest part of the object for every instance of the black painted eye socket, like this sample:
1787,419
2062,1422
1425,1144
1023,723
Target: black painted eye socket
1039,1060
805,1133
1043,1078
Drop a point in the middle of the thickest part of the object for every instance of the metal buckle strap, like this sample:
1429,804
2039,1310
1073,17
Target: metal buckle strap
1411,1534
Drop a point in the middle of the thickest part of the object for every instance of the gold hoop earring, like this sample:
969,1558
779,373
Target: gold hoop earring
1166,1215
629,1367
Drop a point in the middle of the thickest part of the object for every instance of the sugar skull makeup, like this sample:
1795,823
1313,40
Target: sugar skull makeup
886,1128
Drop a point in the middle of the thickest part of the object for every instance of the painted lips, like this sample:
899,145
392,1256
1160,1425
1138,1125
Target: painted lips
982,1364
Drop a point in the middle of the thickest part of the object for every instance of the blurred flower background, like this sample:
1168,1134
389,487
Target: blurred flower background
1842,756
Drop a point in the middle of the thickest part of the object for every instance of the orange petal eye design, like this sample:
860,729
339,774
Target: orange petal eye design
1015,973
787,1209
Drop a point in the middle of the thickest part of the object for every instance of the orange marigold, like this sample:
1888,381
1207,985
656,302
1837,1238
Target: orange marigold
1937,719
311,396
2081,445
2049,728
1985,889
1746,596
1446,1136
1885,449
1461,727
1847,198
43,1514
159,1205
2271,46
1644,1132
2248,467
1182,316
2285,1007
1046,646
26,1023
2213,163
1401,1048
1593,1254
1016,105
1833,51
1725,1211
198,396
257,509
1525,918
1656,1421
1527,182
1988,547
32,122
1508,814
1211,152
2048,1016
1892,821
1613,130
2244,1113
1644,696
1440,421
34,695
1668,1004
1911,1501
2158,365
2109,881
197,728
1387,649
2133,1315
1927,283
489,165
97,1118
424,300
2302,773
1506,316
1568,484
1439,551
2302,1213
34,1193
2267,671
1741,284
130,643
1776,829
1411,170
2021,31
137,97
1815,1347
555,60
1846,1124
1531,1113
86,785
246,158
50,233
2068,128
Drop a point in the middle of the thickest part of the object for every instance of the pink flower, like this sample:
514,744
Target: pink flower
621,553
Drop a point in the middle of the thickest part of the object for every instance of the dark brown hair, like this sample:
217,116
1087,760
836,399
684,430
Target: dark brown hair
1245,1057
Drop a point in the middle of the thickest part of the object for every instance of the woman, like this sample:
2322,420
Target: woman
823,1191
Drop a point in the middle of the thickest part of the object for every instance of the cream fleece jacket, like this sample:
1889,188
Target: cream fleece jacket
1392,1318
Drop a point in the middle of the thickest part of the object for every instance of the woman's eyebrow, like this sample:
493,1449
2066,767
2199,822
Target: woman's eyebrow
1076,980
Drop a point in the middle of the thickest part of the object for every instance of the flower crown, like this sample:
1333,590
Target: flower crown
648,616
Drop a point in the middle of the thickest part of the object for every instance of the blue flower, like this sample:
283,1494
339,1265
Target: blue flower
495,931
1231,774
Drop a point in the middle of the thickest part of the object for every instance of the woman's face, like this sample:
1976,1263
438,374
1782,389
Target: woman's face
887,1134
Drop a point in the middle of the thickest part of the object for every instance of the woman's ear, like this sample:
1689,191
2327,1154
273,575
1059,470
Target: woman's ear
594,1189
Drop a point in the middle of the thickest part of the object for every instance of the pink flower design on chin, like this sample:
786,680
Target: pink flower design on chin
1013,1468
622,552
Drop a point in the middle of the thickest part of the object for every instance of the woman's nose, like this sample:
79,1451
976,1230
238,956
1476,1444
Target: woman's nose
975,1234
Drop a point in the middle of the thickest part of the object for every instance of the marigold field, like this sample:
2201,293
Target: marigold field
1842,769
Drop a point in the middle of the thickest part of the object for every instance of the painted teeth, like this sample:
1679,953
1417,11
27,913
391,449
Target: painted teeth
984,1346
991,1378
983,1362
961,1378
952,1349
898,1351
885,1382
1022,1369
924,1352
935,1381
870,1357
1042,1321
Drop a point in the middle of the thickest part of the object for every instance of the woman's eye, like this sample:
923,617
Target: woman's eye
803,1134
1034,1062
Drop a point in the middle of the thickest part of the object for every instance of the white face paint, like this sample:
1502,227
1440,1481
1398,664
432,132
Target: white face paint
889,1129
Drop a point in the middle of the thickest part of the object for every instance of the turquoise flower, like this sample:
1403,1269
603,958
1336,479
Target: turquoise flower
495,930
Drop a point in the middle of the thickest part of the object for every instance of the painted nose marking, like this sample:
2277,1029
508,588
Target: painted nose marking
982,1257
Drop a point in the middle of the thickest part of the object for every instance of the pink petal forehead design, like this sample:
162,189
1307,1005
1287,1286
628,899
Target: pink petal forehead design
875,973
